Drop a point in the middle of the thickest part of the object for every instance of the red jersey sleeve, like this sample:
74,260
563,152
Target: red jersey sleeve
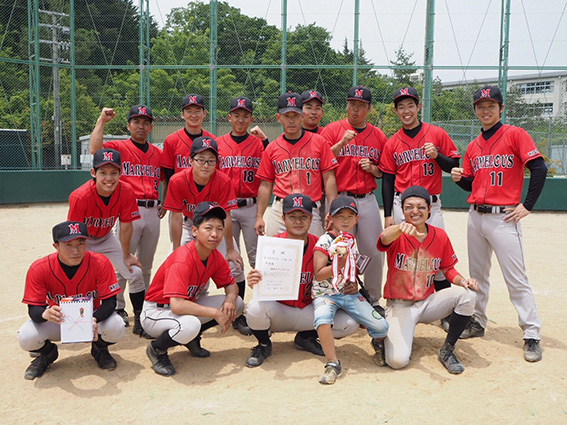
129,207
106,283
221,274
167,159
328,160
35,291
174,196
387,163
266,171
77,208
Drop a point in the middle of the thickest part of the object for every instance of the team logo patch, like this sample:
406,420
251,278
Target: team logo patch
142,110
73,229
206,143
291,101
534,152
107,156
192,99
361,299
312,94
376,315
485,93
136,214
240,103
358,93
404,92
114,287
298,202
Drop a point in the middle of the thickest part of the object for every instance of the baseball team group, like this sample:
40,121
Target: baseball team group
321,183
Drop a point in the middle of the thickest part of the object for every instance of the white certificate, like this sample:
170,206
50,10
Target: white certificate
77,325
279,260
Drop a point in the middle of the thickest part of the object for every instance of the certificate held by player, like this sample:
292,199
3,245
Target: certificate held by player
77,325
279,261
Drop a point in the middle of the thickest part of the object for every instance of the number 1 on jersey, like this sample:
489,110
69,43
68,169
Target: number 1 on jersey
496,178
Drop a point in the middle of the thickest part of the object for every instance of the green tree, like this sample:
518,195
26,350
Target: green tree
403,60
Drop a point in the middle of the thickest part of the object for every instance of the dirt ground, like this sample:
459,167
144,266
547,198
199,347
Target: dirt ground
497,387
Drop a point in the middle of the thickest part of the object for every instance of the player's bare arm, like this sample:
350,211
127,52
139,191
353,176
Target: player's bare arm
389,221
347,137
392,233
264,193
98,132
457,174
53,314
126,230
229,305
367,166
231,253
176,228
330,185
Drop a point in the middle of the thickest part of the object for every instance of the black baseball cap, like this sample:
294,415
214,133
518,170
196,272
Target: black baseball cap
488,92
342,202
417,191
207,210
106,156
201,144
297,202
309,95
405,92
360,93
241,103
140,111
69,230
290,102
193,99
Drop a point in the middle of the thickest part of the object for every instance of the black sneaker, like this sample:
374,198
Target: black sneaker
137,329
40,364
195,348
122,313
532,350
448,359
103,358
473,330
241,326
379,353
258,355
332,372
308,344
160,361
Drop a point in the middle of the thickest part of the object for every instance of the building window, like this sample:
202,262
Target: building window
541,108
537,87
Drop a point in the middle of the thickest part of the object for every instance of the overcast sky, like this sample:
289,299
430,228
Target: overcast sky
466,32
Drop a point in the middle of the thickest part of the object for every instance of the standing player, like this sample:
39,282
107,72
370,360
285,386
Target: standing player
493,170
280,316
416,252
357,146
297,161
312,111
416,154
99,204
239,158
177,309
70,272
141,169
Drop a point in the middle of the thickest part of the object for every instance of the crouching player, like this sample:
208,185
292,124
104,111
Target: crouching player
176,310
72,271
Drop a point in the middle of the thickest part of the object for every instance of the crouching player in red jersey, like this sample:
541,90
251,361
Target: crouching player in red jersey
416,251
177,310
69,272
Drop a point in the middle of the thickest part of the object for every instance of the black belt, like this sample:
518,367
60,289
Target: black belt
357,195
488,209
148,203
162,305
244,202
278,198
434,198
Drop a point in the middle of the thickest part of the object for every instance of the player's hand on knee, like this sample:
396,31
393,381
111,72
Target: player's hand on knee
223,320
260,226
233,256
470,283
229,308
107,114
430,149
132,260
95,330
53,314
457,174
516,213
254,277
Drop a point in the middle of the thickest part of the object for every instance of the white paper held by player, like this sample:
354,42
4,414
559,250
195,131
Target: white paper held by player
279,260
77,325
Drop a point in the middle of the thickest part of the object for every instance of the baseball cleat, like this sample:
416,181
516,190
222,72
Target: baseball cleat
473,330
332,372
532,350
379,353
122,313
258,355
103,358
40,364
445,323
448,359
160,361
241,325
195,348
308,344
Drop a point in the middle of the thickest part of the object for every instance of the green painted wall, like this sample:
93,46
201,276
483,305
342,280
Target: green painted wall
23,187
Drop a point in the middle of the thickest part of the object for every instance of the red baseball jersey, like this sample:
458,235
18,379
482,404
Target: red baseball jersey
86,205
497,166
141,170
367,144
240,161
299,167
183,275
404,157
304,297
412,265
177,150
47,283
182,194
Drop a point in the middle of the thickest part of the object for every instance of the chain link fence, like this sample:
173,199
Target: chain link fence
102,68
